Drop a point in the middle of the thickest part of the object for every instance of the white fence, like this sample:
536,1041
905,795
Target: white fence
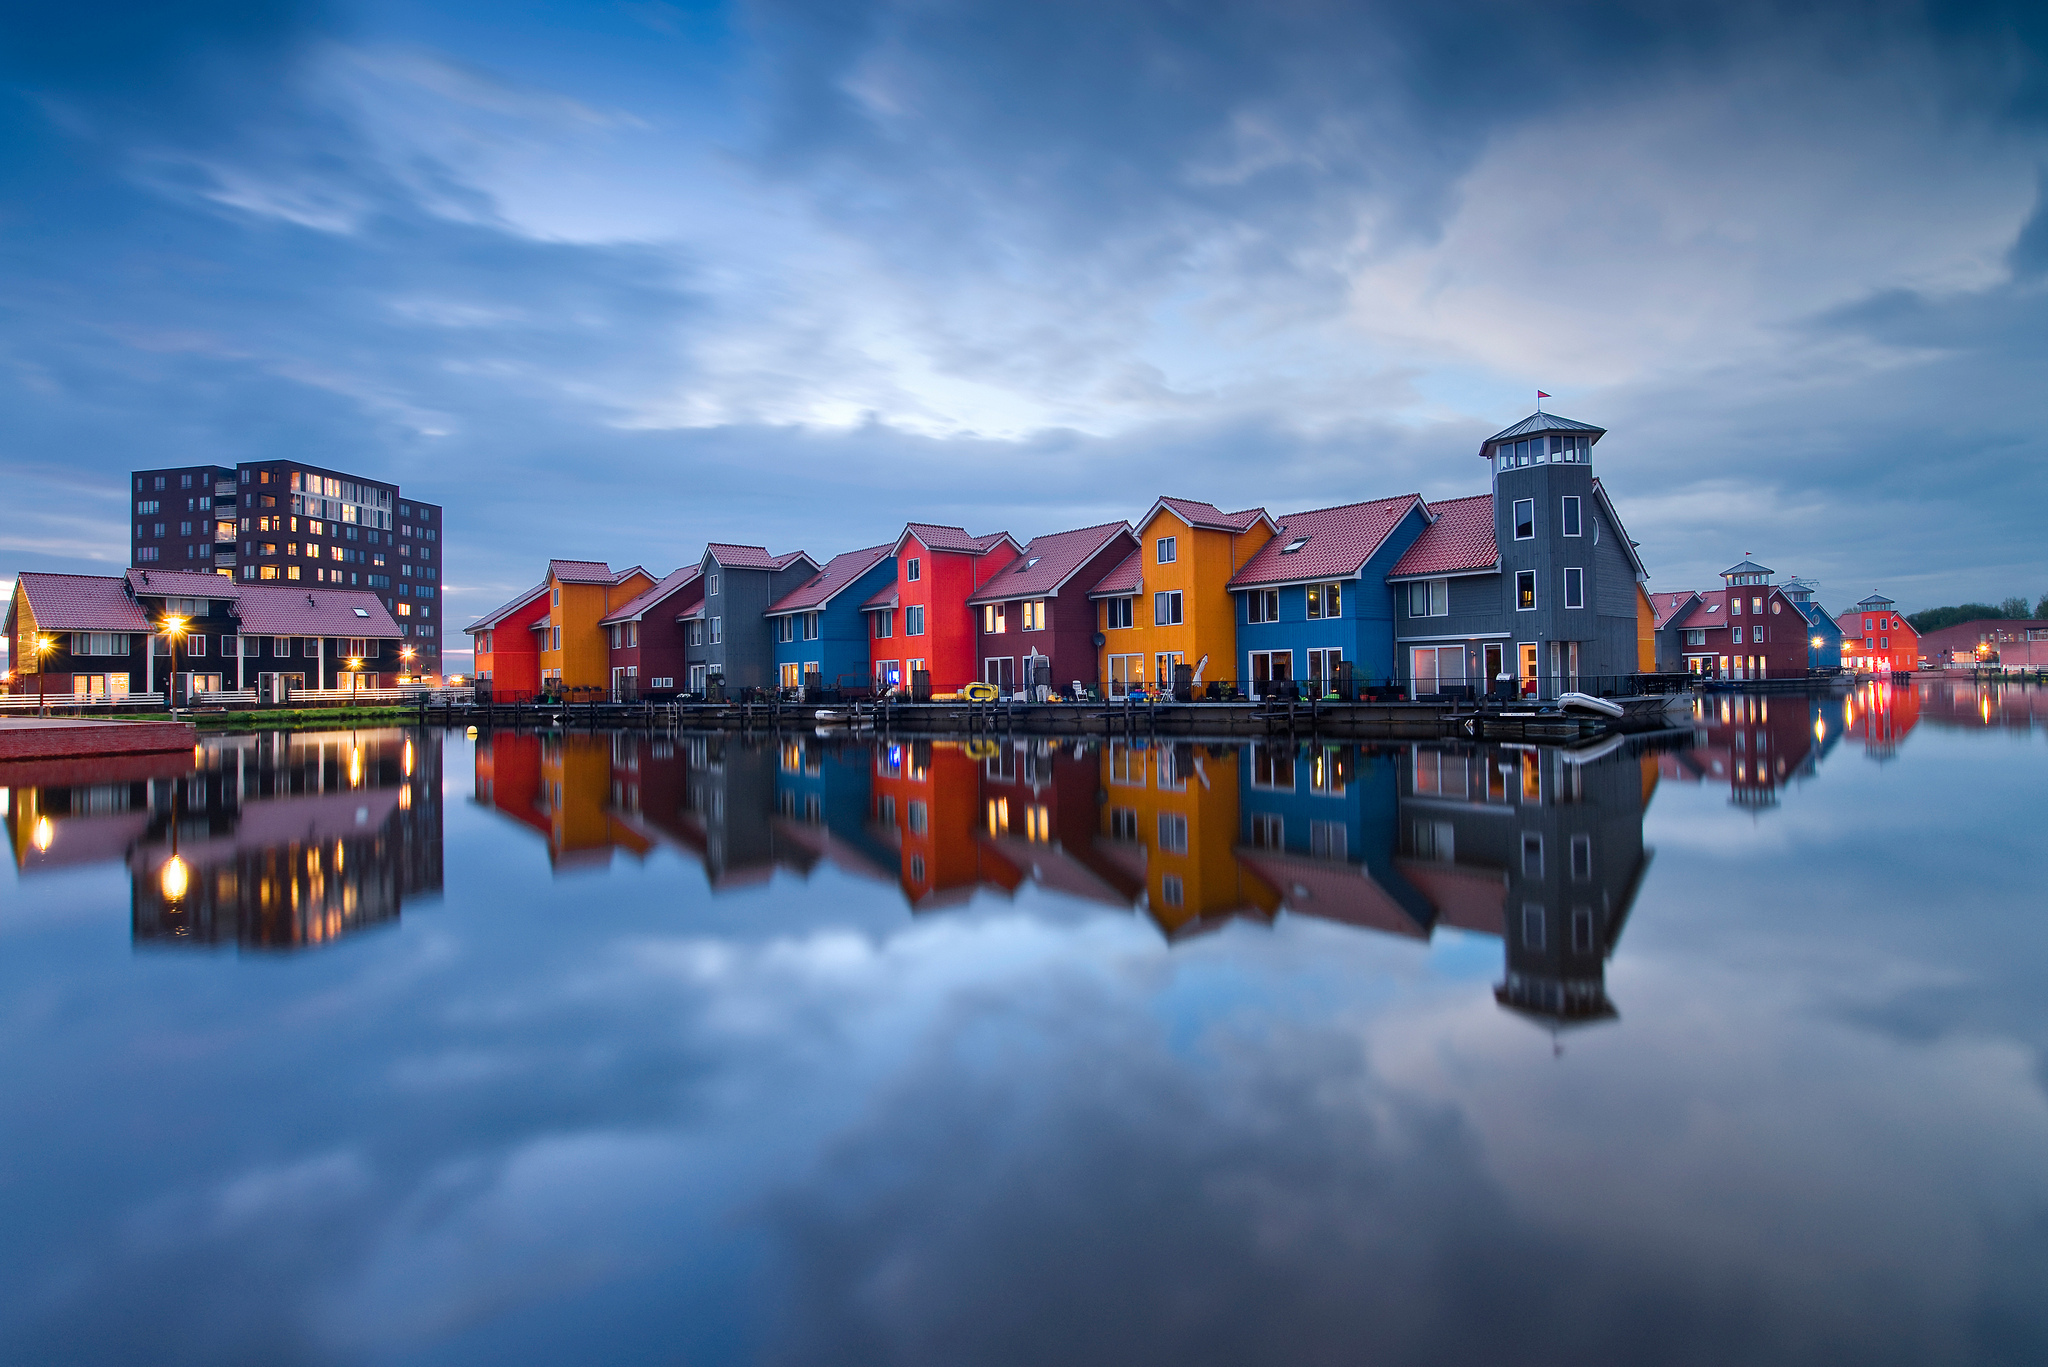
27,702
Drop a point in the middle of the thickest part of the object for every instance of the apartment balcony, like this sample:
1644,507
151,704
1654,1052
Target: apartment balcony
224,489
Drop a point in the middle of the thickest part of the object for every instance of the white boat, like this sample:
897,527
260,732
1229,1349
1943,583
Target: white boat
1586,702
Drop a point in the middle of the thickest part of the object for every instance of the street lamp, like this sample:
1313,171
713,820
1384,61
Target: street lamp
355,676
43,646
172,628
405,661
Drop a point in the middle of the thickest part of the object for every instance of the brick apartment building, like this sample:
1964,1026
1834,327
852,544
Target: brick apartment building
280,520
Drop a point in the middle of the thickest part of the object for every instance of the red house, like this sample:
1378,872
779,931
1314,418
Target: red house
508,648
1746,629
1037,606
922,620
1876,640
644,639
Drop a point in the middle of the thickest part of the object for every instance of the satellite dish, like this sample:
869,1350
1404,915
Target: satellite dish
1100,640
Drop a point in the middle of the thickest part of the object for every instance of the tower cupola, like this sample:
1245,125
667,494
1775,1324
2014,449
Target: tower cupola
1541,439
1746,573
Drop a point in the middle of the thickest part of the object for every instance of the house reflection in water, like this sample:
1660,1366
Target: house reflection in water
281,840
1757,744
1541,848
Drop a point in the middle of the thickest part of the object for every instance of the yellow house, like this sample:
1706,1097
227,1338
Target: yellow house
574,650
1174,810
1170,602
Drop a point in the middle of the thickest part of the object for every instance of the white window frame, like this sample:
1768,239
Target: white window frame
1162,599
1166,550
1571,522
1119,607
717,630
1515,528
1535,599
913,569
1574,586
1262,605
913,620
1434,595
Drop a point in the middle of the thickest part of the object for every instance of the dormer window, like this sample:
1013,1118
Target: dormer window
1291,547
1033,561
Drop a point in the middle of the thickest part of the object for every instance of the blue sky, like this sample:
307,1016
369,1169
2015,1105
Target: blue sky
614,279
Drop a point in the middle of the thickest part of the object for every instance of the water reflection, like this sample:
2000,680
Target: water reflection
268,841
1541,849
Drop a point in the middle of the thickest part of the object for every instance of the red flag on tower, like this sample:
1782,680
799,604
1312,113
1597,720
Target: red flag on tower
1541,395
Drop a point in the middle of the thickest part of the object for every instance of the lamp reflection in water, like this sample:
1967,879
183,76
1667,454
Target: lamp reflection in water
44,835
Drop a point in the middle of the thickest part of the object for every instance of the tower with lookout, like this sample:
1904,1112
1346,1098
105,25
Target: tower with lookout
1536,580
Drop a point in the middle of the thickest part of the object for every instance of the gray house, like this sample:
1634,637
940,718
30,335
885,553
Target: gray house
1537,580
725,635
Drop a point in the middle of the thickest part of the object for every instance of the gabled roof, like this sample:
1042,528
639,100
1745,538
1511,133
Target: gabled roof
1815,614
81,602
497,615
1049,562
937,537
1669,607
1127,578
182,584
1207,516
1458,541
638,607
1326,542
1540,422
1874,602
277,610
583,572
1748,566
736,557
839,571
884,597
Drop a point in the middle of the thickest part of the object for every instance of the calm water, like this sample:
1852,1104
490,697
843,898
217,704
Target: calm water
607,1049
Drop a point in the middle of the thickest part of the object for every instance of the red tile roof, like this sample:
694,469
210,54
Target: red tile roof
181,584
1196,513
1127,577
497,615
737,557
840,571
81,602
1460,539
941,538
1049,561
788,558
637,607
582,572
1340,541
277,610
1669,606
884,597
1333,891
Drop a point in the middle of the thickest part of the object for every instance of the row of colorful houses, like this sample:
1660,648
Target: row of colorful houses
1534,585
1753,627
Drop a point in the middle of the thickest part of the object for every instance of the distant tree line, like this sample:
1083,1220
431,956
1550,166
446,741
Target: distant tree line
1933,619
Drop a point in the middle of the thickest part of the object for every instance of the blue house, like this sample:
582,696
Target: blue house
820,632
1315,598
1823,635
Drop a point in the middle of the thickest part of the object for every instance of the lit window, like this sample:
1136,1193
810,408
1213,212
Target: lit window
1525,590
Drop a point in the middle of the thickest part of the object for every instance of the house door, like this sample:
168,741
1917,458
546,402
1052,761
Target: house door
1270,667
1528,653
1322,669
1496,663
1165,662
1125,670
1000,671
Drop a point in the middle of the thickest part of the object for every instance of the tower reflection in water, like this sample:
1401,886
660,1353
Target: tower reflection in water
1541,848
269,841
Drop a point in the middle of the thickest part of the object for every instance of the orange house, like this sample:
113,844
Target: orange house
1170,602
573,650
922,620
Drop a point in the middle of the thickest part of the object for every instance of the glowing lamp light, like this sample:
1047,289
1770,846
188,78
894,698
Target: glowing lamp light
177,878
45,833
